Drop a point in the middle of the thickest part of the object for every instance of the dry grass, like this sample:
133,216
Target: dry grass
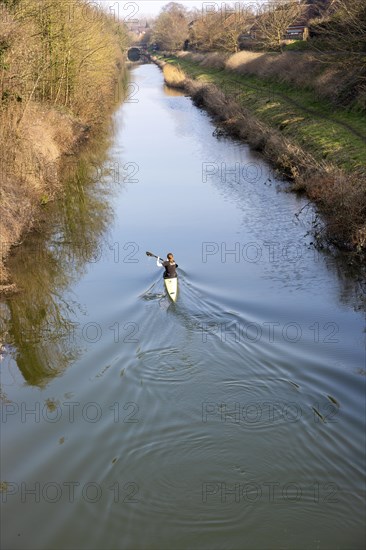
306,70
31,154
303,70
174,76
300,70
324,76
342,200
57,78
213,60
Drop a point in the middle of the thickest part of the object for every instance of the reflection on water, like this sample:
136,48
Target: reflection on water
172,92
38,323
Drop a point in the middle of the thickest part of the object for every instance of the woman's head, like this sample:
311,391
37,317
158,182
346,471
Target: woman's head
170,256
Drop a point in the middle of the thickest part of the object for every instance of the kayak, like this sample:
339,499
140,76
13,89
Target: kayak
171,286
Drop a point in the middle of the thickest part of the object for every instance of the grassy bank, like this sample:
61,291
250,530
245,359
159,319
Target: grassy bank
335,135
320,149
58,75
326,75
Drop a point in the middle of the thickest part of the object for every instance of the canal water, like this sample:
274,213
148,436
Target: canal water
232,419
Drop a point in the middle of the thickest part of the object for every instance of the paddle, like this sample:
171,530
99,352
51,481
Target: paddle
153,255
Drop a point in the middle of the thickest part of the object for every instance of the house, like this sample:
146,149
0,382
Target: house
297,31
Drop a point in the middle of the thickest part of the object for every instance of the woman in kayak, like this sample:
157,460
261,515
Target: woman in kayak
170,266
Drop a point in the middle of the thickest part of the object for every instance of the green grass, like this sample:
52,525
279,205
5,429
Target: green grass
319,132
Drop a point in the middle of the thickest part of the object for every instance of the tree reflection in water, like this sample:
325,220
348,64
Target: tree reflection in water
38,323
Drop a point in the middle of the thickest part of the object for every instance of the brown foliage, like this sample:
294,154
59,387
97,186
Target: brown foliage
220,29
174,76
273,19
342,200
58,73
213,60
171,27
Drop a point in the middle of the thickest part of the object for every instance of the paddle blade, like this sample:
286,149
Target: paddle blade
151,254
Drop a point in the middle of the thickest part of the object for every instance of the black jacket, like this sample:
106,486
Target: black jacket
169,272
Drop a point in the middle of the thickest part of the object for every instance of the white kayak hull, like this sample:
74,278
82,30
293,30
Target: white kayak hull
171,286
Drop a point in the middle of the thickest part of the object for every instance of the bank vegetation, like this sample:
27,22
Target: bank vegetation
321,158
301,102
60,68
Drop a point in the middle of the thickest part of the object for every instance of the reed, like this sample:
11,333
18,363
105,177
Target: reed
174,76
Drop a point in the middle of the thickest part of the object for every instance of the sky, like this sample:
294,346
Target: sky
136,9
153,7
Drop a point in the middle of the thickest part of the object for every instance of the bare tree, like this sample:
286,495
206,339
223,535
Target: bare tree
343,27
273,20
171,27
205,31
220,29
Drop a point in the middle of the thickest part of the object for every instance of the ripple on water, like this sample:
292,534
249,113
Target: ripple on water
165,365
